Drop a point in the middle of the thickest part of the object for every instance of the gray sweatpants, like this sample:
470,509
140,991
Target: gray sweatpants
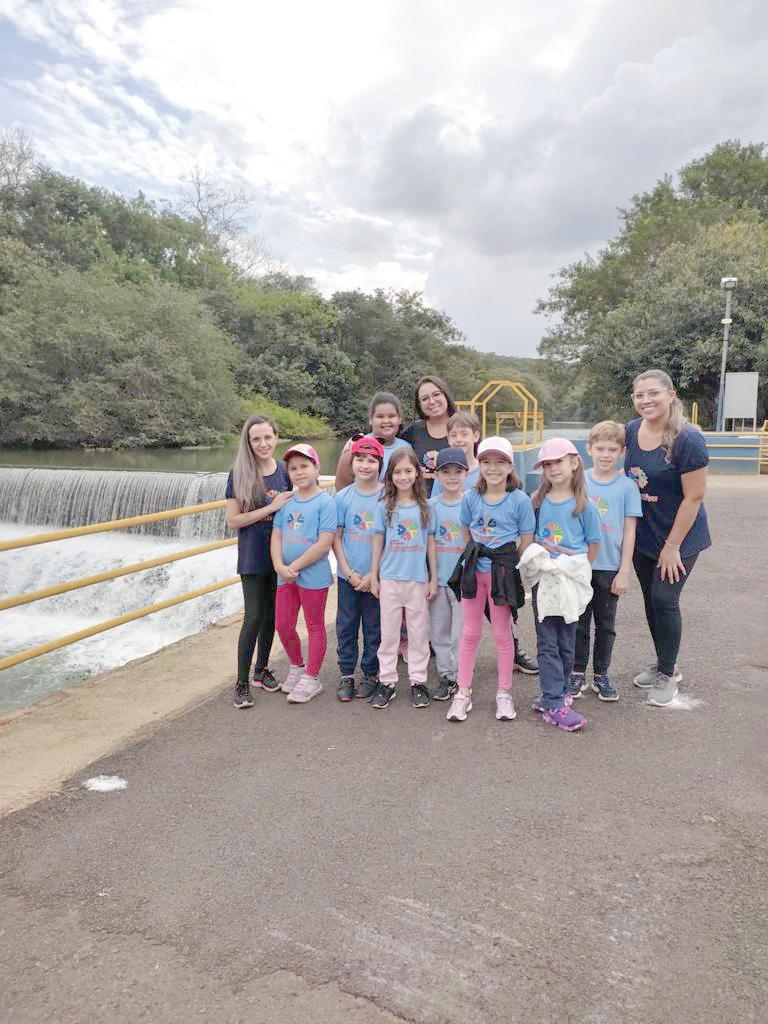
445,631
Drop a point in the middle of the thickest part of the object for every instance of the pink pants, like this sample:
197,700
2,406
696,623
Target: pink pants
398,597
291,597
473,610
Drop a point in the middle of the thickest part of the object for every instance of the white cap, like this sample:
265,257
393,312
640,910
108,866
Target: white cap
497,446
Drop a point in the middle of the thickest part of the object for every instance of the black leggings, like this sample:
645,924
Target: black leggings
258,623
662,608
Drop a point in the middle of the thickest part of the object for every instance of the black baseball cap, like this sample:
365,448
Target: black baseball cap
451,457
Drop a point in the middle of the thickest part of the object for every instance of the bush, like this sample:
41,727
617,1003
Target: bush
289,422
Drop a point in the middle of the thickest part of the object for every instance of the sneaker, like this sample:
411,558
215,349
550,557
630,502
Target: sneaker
243,698
263,679
538,706
306,688
604,688
647,678
346,689
384,696
367,688
525,662
295,672
420,696
460,707
564,718
577,685
663,691
505,708
445,689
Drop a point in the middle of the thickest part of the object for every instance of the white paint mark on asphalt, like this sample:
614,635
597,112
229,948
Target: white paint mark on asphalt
683,702
105,784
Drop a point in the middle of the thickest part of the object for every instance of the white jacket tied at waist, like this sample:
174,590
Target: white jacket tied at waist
565,586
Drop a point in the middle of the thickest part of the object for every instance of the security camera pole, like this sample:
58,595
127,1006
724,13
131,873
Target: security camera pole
727,284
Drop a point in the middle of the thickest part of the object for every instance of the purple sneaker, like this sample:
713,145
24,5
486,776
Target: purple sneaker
538,706
564,718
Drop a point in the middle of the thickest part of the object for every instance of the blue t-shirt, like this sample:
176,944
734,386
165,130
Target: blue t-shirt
405,542
253,557
614,501
354,514
300,524
447,537
389,451
563,533
472,477
661,490
495,523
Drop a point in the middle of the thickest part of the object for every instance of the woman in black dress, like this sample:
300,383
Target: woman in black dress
428,433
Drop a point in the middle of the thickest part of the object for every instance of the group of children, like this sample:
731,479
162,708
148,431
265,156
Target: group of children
419,575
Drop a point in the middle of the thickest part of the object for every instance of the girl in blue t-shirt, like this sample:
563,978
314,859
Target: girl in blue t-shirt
567,523
385,416
257,488
403,576
302,536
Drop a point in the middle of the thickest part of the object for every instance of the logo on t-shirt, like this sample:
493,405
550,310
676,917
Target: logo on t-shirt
601,505
429,459
363,520
272,494
486,525
295,520
638,475
449,531
407,529
552,533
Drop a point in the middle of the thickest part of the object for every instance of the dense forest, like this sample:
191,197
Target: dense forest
130,322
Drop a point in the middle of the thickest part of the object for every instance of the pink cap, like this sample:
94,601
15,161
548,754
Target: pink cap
555,448
302,449
496,446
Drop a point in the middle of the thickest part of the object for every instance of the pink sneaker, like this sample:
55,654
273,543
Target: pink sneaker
564,718
505,708
460,707
295,672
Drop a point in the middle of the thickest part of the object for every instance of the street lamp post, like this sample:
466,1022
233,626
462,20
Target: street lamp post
727,284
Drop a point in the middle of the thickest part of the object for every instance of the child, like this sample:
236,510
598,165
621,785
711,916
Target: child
498,517
464,433
445,610
404,576
617,501
302,536
385,415
257,488
567,524
353,547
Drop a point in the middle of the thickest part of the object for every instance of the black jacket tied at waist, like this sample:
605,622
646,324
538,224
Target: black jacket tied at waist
506,585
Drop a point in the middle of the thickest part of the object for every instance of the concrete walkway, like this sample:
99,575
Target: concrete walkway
333,863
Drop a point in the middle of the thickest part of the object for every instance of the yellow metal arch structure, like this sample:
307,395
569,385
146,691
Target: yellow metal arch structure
529,417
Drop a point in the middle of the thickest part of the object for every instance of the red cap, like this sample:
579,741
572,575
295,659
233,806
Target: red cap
302,449
368,446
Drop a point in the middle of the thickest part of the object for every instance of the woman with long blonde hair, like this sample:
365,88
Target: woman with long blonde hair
257,488
667,458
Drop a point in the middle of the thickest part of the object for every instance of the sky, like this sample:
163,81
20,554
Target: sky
464,150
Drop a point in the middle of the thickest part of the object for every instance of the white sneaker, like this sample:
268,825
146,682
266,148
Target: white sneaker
295,672
460,707
306,688
505,708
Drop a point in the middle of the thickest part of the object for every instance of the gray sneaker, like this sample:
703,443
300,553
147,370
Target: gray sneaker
663,691
647,678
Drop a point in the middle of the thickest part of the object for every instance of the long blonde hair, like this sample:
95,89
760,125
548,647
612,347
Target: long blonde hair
677,418
247,479
389,494
578,486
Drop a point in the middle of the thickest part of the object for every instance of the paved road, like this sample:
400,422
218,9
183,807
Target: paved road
333,863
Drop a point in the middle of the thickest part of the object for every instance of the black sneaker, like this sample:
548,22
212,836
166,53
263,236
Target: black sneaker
243,698
420,696
263,678
346,690
384,696
604,688
576,685
367,688
445,690
525,662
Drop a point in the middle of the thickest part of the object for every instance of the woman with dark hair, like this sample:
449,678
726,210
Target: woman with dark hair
257,488
667,458
428,434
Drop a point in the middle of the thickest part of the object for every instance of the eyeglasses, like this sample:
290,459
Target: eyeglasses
638,396
433,397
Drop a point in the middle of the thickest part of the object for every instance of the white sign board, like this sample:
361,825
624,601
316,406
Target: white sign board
740,396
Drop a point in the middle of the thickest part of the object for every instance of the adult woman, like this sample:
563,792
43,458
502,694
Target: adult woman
257,488
428,433
667,458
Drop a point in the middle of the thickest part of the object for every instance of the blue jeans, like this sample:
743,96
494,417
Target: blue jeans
356,608
556,642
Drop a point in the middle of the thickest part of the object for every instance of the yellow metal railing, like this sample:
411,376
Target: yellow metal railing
530,416
695,413
125,570
763,458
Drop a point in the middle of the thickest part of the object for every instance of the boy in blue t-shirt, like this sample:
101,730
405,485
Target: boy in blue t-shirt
353,547
617,501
